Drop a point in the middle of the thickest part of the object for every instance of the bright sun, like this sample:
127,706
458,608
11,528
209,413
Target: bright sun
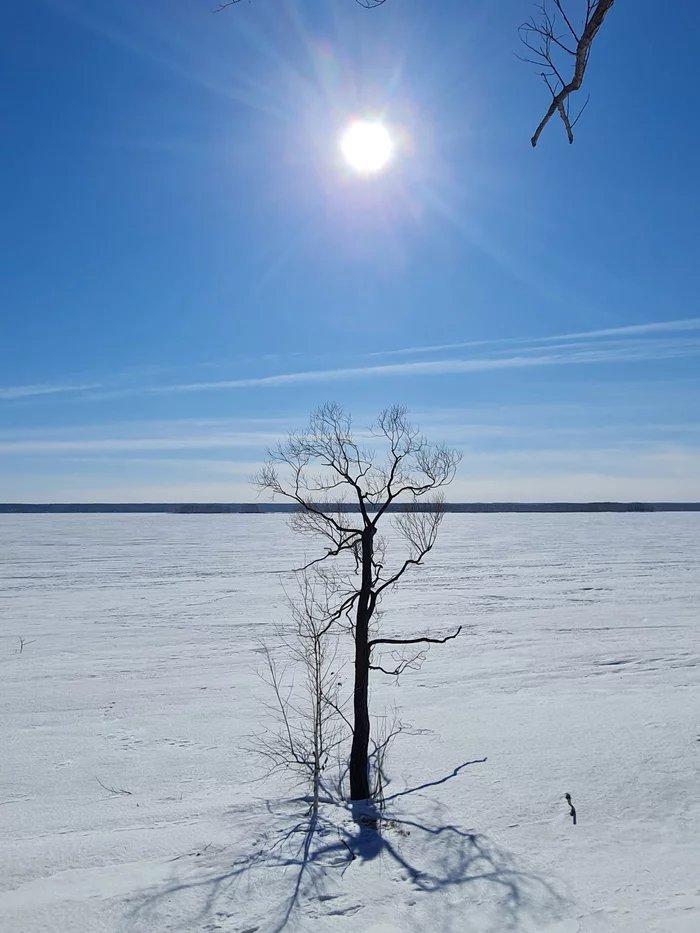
367,147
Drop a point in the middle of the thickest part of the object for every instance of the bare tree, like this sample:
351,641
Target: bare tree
343,490
310,718
555,44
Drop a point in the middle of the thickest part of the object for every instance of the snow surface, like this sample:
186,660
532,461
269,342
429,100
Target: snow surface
577,671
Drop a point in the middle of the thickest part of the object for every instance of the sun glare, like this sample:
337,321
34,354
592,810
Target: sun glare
366,147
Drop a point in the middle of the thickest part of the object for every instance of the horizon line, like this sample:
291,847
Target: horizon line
262,507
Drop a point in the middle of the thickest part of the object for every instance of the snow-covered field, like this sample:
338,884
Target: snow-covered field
126,799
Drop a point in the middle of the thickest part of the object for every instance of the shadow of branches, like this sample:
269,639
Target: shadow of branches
300,860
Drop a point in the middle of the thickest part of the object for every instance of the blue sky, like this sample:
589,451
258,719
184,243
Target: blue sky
188,267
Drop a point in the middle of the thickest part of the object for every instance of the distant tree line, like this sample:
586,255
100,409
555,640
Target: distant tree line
214,508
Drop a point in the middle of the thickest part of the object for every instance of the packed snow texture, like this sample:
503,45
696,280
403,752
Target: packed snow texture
128,691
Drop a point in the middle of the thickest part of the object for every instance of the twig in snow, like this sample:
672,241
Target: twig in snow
352,854
23,642
117,791
572,808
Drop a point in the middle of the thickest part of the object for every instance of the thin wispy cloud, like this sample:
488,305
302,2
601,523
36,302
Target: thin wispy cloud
126,444
11,393
187,465
441,347
660,340
515,459
422,368
619,353
654,327
655,472
217,439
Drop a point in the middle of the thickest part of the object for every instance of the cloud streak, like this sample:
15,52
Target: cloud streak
660,340
10,393
621,353
654,327
126,444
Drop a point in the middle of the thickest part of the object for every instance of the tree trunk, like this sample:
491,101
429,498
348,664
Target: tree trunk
359,766
318,723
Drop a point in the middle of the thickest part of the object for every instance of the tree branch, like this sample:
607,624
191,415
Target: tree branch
412,641
347,545
544,30
399,573
402,664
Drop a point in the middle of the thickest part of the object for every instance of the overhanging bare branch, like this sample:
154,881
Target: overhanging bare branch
541,36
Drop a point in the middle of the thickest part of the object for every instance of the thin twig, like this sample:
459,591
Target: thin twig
116,791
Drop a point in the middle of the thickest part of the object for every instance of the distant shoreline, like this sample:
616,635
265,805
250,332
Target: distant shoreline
248,508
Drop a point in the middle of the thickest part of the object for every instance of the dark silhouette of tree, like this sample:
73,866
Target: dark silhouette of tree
344,491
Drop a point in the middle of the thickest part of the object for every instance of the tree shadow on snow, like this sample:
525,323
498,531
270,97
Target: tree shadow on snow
300,860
